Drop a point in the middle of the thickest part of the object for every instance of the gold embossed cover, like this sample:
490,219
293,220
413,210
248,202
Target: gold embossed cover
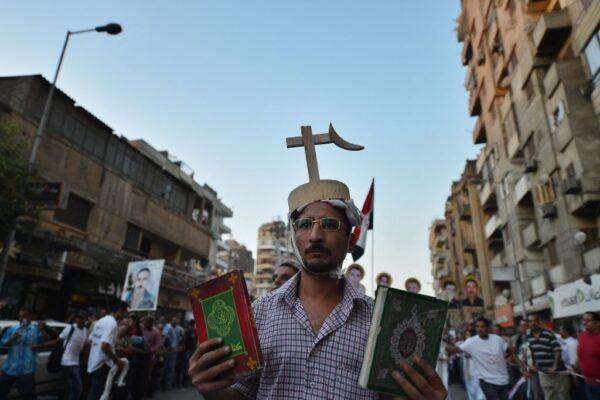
222,308
404,324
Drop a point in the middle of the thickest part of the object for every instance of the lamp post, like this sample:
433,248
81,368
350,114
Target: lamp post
111,29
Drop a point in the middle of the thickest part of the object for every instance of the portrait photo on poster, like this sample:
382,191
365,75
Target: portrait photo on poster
142,283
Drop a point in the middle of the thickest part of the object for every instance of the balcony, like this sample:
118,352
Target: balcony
487,196
531,238
221,245
467,52
591,259
523,190
548,210
479,132
474,103
497,261
464,211
492,226
533,6
551,32
513,147
570,185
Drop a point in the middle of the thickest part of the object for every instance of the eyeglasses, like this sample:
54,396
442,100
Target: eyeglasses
328,224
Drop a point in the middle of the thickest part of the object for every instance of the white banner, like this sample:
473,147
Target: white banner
575,298
142,283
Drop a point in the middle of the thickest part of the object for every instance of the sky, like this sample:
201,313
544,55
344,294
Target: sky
221,84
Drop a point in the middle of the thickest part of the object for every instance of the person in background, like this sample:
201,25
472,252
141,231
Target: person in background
180,368
73,338
139,360
568,343
588,354
102,350
191,341
474,391
170,344
412,285
546,353
22,341
283,273
151,344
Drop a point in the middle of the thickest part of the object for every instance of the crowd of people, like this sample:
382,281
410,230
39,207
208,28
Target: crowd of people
536,363
112,354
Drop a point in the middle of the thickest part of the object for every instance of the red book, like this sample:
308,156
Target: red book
222,308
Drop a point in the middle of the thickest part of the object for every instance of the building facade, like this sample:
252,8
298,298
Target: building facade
126,202
274,247
533,73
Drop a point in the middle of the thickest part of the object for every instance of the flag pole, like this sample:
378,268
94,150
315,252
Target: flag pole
373,241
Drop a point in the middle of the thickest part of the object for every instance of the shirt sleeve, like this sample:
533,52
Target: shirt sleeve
65,333
247,387
7,334
503,344
554,343
466,345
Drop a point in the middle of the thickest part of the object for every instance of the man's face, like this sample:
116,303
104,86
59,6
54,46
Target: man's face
589,324
355,276
282,275
383,280
522,326
322,251
79,322
24,316
471,289
482,329
413,287
148,322
533,321
175,321
141,282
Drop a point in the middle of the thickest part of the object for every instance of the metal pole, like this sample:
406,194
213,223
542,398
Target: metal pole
8,242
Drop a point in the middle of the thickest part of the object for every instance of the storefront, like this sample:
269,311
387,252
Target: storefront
573,299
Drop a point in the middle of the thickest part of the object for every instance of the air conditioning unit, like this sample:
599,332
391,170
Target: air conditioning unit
570,185
531,166
548,210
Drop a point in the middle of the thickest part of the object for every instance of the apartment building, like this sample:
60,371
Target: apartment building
442,263
274,247
126,201
533,72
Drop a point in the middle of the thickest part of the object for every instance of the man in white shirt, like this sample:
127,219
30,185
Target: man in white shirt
102,351
488,352
73,339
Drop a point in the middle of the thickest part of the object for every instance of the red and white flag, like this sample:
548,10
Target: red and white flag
359,236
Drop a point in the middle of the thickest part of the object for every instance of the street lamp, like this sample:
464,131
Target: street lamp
111,29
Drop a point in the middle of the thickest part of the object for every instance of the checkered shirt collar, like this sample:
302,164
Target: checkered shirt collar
288,292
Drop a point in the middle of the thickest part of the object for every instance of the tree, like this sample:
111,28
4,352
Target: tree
14,174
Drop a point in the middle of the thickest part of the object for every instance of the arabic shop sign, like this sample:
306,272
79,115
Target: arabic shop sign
575,298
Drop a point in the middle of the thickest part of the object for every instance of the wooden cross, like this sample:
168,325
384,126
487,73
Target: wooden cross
308,140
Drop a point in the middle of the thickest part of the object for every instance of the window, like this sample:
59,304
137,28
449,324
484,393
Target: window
557,115
544,192
530,149
529,89
77,213
69,127
132,237
552,253
592,55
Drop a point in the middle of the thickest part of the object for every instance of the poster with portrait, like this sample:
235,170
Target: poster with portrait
142,284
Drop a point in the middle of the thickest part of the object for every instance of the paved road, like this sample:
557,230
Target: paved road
456,393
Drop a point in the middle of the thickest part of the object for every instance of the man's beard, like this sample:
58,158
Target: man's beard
320,265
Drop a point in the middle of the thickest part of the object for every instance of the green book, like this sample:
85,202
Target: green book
404,325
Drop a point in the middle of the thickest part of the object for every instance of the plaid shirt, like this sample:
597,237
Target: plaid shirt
300,365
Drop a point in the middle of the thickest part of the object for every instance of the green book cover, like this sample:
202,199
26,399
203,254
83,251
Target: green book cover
222,321
404,324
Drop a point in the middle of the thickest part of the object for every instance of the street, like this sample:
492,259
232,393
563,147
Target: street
456,393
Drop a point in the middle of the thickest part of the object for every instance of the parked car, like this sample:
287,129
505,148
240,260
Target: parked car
45,382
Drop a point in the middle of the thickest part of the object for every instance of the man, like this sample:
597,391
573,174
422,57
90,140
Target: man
283,273
487,353
171,344
472,298
588,354
546,354
151,345
384,279
412,285
102,349
355,274
140,298
72,338
313,330
22,342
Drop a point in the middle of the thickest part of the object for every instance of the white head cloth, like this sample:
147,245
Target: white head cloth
353,215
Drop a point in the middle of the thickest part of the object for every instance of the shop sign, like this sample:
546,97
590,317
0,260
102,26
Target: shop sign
575,298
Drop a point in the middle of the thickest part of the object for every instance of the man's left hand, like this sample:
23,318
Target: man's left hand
420,386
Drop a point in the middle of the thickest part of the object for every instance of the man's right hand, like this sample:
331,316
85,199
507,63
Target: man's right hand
207,366
15,336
